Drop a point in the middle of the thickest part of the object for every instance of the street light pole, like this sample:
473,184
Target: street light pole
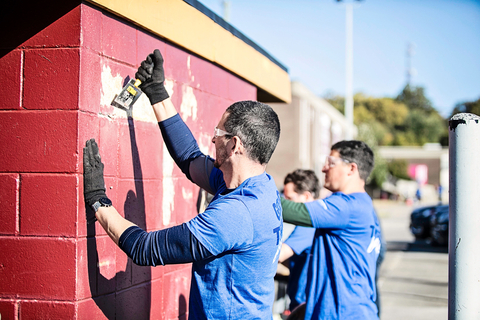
349,67
349,70
226,10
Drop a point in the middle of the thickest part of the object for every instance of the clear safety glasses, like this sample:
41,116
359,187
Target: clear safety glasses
219,132
331,161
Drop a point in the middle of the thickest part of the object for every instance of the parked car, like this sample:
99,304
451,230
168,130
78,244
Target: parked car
439,225
420,222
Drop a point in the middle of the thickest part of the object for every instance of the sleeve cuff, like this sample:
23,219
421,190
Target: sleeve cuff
168,122
295,213
128,238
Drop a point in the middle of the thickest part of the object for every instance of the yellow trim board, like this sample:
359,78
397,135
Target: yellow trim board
184,25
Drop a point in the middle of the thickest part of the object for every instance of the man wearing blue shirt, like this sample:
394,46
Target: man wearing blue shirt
235,243
298,186
342,263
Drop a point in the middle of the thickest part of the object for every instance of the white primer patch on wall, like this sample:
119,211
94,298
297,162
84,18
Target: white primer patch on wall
111,85
187,194
192,77
168,187
169,87
205,143
142,109
188,108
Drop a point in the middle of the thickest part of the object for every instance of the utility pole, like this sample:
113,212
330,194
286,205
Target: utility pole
409,70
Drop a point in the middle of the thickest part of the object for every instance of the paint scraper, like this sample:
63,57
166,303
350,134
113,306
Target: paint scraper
129,94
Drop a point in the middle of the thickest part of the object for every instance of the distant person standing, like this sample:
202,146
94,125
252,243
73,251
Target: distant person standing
346,245
299,186
440,191
418,194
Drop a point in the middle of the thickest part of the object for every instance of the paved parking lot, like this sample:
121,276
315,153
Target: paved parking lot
414,275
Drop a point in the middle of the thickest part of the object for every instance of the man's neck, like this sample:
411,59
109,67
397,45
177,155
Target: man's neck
235,174
353,187
354,190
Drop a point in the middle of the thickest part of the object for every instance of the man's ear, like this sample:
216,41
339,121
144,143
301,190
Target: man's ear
308,196
237,146
353,169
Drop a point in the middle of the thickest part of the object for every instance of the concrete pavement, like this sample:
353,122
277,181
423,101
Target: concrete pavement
413,279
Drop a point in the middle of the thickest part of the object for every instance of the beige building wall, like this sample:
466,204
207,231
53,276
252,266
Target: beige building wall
309,127
434,156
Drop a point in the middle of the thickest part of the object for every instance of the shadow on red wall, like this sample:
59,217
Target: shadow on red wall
133,302
24,20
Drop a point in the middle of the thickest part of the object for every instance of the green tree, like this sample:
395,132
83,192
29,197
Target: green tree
415,99
335,100
407,120
387,111
380,171
398,168
420,128
467,107
381,114
423,123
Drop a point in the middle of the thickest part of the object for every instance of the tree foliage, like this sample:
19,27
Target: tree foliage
407,120
380,170
383,115
467,107
415,99
399,169
423,124
420,128
335,100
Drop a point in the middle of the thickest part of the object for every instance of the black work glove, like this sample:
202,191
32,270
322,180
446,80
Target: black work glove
93,183
152,75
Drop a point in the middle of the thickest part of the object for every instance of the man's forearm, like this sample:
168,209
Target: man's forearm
113,223
164,110
295,213
172,245
285,253
168,246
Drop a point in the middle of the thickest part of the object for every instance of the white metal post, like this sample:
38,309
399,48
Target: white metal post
464,225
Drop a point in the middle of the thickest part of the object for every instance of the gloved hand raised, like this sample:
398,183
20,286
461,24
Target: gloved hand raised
93,182
152,75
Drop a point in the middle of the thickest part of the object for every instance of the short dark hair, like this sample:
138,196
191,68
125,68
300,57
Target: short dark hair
257,126
304,180
357,152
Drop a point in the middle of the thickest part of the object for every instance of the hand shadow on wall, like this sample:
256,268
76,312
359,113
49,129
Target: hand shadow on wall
130,290
182,307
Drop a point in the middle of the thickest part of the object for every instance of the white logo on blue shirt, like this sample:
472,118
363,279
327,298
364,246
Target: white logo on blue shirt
374,244
275,258
323,204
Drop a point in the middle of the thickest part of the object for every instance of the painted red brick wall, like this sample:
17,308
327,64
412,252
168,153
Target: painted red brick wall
59,78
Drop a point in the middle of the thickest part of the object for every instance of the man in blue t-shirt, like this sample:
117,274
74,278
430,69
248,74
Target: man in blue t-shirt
298,186
342,262
235,243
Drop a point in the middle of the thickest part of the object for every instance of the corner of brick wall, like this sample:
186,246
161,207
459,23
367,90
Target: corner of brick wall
54,264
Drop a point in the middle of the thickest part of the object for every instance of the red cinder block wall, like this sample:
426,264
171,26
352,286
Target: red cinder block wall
59,76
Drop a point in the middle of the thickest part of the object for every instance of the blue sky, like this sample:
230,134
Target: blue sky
308,37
